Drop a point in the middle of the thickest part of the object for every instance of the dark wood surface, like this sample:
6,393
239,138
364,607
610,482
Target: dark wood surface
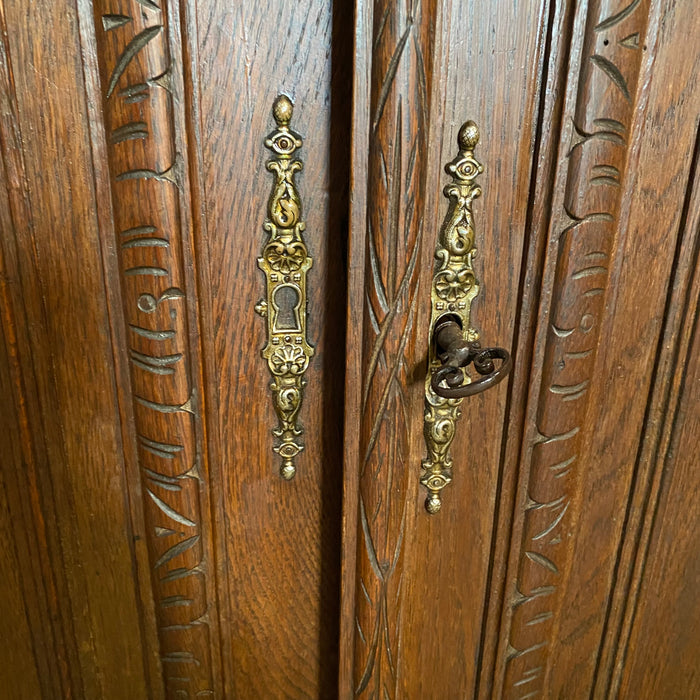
429,113
147,176
578,276
400,87
635,367
150,548
80,555
155,533
532,607
663,607
279,542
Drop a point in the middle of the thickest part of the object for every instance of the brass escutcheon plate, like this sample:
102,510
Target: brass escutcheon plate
285,262
453,290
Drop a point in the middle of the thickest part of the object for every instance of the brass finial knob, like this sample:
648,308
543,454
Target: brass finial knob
433,503
282,110
468,136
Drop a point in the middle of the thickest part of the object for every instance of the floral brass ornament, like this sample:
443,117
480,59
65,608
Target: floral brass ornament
453,341
285,262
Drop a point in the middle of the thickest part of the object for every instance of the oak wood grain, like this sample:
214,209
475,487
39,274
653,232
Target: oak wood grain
665,609
670,413
454,551
644,370
28,671
400,89
585,212
150,548
147,175
279,540
38,580
356,250
64,390
566,665
435,558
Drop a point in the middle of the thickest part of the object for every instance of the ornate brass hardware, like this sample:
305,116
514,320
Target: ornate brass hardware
453,341
285,262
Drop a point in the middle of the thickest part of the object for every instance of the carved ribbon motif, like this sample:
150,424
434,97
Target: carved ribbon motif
285,262
454,288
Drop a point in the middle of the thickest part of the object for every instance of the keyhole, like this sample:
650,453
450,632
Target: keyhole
286,303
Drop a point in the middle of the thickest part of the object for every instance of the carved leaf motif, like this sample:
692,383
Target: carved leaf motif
145,179
592,169
394,234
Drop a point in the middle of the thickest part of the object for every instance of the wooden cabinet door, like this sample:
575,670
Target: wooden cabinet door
542,575
151,548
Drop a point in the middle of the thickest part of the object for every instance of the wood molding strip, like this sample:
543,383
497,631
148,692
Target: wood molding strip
76,471
660,430
555,40
595,139
148,178
353,368
400,89
665,393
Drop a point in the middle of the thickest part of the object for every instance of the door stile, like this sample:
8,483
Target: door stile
133,494
354,337
437,578
647,333
663,506
664,455
493,80
66,383
49,644
285,596
188,127
555,30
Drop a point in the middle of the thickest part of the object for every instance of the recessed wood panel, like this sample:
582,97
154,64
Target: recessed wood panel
633,369
21,675
666,610
83,597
